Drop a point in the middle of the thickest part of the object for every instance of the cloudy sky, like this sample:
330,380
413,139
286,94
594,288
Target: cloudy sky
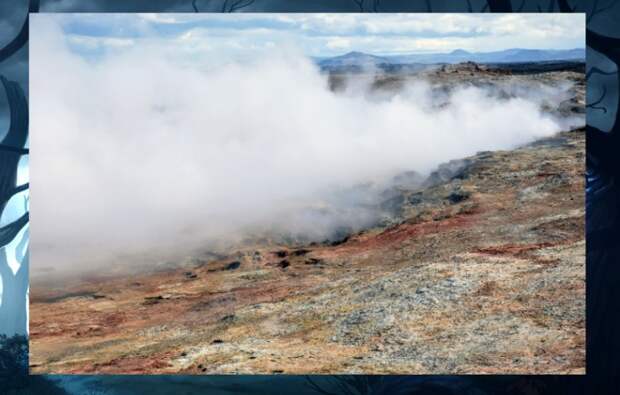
323,34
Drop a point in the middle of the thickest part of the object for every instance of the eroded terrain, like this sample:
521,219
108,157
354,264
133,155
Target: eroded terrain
480,270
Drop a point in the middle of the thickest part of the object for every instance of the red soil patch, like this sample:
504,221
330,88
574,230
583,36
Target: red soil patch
400,233
512,249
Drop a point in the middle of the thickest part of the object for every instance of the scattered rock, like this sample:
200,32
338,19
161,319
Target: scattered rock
233,265
458,196
190,275
416,198
228,318
446,171
151,300
341,241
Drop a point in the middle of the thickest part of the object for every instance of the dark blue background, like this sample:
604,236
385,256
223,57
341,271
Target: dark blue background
602,202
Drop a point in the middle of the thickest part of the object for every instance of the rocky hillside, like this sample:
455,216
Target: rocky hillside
480,270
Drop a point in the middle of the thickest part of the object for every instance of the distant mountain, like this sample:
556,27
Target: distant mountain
354,59
534,55
359,60
459,52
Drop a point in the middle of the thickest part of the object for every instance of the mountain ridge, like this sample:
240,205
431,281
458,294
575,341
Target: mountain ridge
511,55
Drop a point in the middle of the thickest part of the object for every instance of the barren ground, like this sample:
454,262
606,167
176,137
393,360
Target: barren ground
483,272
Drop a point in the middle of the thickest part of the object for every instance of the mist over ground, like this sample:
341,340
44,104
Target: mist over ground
142,151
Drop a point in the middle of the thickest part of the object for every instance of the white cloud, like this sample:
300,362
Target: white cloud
338,43
88,42
316,33
162,18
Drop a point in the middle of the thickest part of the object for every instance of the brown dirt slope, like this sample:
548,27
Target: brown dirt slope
482,272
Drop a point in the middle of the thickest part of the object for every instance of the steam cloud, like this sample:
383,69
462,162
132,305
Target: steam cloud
141,152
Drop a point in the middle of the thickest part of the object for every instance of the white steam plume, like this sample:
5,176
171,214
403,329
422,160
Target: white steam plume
142,152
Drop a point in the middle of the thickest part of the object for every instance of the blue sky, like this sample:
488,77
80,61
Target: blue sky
321,34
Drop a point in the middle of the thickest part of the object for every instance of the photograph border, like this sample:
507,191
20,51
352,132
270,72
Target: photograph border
602,197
